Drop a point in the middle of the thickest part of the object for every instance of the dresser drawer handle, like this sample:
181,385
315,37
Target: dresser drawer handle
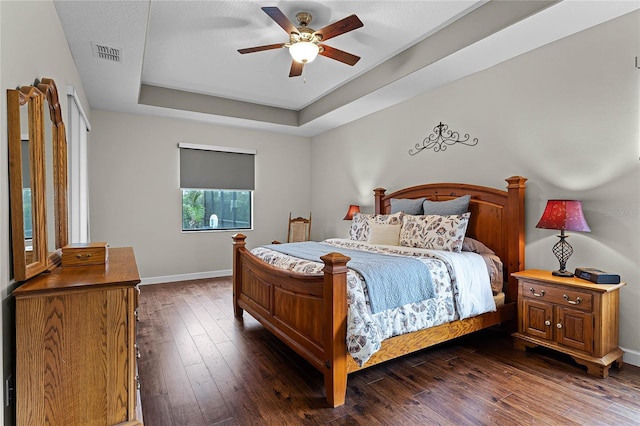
83,256
576,302
547,323
542,292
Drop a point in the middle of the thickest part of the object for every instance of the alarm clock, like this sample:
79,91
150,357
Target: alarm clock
597,276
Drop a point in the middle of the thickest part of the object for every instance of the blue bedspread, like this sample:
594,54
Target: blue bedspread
391,281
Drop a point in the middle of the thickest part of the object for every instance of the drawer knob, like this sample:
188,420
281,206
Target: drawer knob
533,291
572,302
83,256
547,323
559,325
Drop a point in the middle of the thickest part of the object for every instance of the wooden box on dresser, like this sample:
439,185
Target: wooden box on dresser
75,343
570,315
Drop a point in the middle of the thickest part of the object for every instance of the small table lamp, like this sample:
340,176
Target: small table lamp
563,215
353,209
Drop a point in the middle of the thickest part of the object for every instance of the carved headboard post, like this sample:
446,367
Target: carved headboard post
379,195
515,220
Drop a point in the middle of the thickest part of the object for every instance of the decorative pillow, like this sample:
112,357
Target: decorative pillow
458,205
384,234
407,205
435,232
469,244
360,224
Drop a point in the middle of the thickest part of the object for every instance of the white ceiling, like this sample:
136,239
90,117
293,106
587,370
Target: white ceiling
180,59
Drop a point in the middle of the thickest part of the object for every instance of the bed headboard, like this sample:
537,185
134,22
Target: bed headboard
497,217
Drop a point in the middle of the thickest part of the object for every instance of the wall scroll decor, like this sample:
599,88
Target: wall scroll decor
441,138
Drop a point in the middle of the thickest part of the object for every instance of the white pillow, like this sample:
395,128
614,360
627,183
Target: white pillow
384,234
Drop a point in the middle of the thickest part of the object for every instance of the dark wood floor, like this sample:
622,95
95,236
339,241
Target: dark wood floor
200,366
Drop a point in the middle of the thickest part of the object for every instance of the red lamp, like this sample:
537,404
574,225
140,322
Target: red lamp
563,215
353,209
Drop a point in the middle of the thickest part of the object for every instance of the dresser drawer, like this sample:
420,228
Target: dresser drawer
562,296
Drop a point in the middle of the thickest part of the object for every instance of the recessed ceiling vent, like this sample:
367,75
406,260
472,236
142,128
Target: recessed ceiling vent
108,53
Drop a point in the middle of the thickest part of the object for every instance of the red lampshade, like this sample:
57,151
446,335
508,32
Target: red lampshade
353,209
565,215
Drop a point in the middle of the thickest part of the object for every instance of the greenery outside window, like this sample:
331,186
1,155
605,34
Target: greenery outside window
204,210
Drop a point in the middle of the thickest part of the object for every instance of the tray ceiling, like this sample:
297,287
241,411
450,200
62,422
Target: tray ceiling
179,58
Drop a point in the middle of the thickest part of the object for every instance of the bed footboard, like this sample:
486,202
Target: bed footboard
307,312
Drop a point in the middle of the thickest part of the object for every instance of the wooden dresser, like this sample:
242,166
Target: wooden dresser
570,315
75,344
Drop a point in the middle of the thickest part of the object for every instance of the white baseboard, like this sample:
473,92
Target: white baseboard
631,357
186,277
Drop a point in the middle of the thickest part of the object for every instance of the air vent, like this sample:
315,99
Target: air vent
108,53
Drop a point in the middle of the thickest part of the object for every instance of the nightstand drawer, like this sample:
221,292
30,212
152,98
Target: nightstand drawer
562,296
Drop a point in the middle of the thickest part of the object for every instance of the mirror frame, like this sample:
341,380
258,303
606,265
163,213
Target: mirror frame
31,96
44,90
60,173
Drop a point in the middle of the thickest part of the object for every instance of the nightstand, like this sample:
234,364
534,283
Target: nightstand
570,315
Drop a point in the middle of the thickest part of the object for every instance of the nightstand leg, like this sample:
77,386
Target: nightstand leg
601,371
520,344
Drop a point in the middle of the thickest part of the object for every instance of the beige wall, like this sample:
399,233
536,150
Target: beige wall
135,197
565,116
32,45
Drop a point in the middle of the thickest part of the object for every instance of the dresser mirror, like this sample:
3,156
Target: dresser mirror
55,142
26,181
37,178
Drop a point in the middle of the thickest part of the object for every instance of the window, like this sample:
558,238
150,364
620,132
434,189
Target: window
217,187
27,217
215,209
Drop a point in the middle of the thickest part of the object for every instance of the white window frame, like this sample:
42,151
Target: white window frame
77,129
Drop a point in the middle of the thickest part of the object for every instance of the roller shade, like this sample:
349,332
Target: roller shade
211,167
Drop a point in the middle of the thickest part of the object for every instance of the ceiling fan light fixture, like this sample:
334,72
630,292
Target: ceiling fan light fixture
304,51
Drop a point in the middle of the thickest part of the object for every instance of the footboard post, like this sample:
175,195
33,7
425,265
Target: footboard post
335,327
238,244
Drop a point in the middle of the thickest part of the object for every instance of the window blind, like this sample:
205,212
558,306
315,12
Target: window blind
213,167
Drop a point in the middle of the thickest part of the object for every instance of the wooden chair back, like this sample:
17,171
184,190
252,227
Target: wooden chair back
299,229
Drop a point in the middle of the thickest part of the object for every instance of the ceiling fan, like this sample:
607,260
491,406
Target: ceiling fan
304,42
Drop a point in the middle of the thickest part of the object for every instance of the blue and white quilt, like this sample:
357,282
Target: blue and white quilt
460,282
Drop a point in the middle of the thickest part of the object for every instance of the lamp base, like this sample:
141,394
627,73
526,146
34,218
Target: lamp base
562,273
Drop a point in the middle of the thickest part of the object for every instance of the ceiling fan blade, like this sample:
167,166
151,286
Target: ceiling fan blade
277,15
338,55
296,69
261,48
342,26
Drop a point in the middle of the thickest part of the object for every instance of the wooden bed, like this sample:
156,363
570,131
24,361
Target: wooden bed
309,312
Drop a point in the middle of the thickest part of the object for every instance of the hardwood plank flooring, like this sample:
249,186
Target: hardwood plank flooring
201,366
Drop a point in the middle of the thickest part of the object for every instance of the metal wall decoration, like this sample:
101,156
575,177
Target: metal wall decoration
441,138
